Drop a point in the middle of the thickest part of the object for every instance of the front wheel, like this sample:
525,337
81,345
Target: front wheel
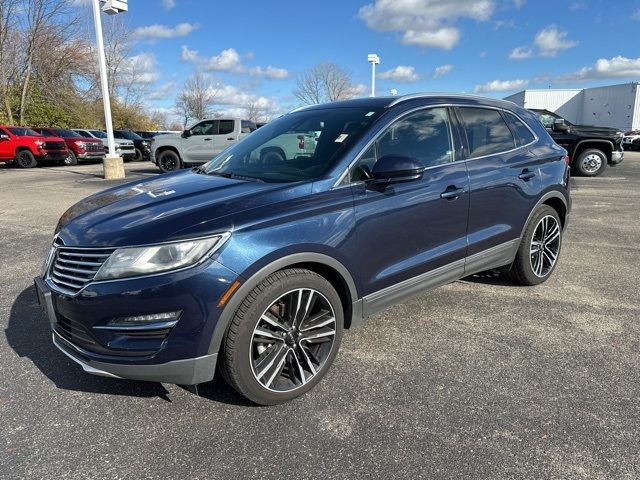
25,159
71,159
138,155
539,248
283,338
168,161
591,163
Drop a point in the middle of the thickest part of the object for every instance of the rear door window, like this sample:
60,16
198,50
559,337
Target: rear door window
487,133
521,133
225,127
248,126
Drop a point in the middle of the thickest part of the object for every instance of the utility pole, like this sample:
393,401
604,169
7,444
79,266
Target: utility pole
373,60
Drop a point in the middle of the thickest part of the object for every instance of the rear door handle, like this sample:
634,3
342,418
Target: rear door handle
526,175
452,192
207,139
230,138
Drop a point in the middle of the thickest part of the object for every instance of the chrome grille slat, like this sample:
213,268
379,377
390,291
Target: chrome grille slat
73,268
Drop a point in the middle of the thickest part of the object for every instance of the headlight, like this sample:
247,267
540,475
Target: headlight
134,261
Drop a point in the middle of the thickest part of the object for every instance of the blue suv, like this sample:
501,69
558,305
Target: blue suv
257,261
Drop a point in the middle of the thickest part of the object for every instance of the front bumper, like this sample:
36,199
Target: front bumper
179,354
90,156
617,157
53,156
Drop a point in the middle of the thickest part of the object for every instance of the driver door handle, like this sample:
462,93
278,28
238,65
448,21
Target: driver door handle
526,175
452,192
207,139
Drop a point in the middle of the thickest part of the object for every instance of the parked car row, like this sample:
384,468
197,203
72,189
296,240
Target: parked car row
631,140
27,147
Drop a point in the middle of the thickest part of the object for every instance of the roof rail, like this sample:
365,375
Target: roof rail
413,96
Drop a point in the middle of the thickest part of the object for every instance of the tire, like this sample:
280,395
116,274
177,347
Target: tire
169,161
138,155
25,159
591,163
71,159
536,258
272,156
274,361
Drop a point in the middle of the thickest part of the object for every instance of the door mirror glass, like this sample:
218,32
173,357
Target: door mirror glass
186,133
394,169
559,125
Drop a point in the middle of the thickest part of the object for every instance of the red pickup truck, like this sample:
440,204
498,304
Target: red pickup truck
26,148
80,148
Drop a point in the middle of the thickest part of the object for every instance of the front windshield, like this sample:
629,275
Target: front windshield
98,134
129,135
67,133
24,132
298,146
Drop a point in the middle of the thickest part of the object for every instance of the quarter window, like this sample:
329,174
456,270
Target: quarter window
547,120
520,131
487,133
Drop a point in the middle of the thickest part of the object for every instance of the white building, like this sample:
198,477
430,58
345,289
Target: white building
615,106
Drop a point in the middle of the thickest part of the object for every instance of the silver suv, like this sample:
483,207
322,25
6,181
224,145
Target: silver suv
124,148
199,143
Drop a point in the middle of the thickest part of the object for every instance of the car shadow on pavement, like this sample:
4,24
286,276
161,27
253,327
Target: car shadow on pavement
29,335
491,277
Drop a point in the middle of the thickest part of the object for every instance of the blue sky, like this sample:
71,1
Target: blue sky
254,49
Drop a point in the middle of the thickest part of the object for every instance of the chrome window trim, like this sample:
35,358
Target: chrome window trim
341,178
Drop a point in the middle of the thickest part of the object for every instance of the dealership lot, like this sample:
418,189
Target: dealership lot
478,379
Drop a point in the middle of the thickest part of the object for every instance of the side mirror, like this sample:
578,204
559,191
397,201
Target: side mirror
395,169
186,133
559,125
4,136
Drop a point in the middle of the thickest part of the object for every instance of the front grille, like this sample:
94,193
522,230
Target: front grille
74,332
54,146
73,268
94,147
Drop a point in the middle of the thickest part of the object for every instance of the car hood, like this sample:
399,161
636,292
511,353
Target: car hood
168,207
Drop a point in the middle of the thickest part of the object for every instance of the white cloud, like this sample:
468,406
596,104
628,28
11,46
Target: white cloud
164,91
230,60
548,42
442,70
427,23
519,3
616,67
501,86
636,15
140,69
401,73
168,4
157,31
520,53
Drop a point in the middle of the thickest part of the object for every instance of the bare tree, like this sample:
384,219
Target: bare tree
197,98
326,82
8,16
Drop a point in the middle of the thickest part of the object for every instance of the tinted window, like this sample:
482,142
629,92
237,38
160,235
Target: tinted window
225,127
99,134
546,119
203,128
23,132
423,136
520,131
61,132
248,126
487,133
83,133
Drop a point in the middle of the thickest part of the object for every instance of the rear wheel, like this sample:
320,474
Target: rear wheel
169,161
71,159
138,155
539,249
591,163
25,159
283,338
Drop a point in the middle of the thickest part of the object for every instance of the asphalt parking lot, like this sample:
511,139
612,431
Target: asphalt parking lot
478,379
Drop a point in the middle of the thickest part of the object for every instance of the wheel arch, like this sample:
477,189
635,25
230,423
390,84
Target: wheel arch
163,148
606,146
555,200
329,268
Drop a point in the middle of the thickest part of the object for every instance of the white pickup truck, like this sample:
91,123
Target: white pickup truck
199,143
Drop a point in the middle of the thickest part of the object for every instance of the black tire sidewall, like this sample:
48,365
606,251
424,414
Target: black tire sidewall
582,172
522,264
167,154
73,160
243,378
25,153
138,157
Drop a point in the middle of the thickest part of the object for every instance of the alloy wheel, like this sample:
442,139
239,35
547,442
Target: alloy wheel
545,246
292,340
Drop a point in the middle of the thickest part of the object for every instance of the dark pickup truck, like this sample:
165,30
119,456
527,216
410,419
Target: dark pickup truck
590,148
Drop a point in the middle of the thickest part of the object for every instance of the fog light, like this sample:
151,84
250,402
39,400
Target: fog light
155,320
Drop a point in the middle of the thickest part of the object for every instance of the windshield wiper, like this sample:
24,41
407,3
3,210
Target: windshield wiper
198,169
235,176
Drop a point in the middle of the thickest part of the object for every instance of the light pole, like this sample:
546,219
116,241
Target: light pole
112,165
373,60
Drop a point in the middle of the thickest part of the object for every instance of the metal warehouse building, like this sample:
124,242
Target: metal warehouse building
611,106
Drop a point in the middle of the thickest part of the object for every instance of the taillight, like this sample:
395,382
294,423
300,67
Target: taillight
567,159
301,142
